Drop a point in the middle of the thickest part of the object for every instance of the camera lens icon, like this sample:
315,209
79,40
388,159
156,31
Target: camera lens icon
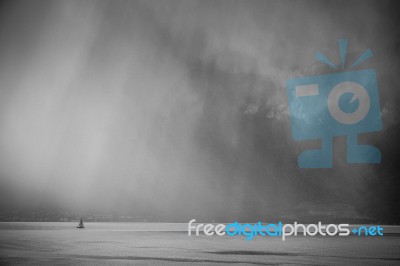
359,95
333,105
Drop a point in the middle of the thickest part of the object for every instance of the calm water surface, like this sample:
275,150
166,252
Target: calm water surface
169,244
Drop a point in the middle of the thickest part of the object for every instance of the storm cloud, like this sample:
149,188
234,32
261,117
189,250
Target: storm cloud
178,109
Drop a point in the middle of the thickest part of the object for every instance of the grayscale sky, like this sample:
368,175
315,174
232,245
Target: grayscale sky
178,109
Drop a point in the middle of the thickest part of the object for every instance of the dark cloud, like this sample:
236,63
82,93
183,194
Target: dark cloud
178,108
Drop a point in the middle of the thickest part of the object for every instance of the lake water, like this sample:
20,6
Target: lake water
169,244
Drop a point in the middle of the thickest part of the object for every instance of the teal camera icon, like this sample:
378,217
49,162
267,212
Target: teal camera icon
338,104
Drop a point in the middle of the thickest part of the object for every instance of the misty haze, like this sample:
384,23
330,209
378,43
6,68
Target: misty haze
177,109
126,126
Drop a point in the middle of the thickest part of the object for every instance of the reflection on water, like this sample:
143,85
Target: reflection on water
169,244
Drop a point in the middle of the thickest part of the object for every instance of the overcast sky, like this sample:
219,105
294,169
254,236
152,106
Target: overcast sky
178,109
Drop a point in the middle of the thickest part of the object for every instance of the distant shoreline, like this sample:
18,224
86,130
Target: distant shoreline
389,230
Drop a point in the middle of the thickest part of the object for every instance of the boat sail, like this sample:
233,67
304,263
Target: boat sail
80,224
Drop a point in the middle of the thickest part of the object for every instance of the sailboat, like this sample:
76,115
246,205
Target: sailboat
80,224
